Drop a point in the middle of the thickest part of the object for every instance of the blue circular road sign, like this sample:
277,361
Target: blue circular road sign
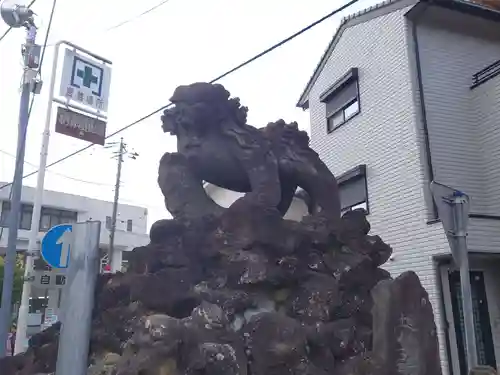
56,246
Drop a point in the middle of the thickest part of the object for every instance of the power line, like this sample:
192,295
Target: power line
252,59
138,16
10,27
127,21
61,174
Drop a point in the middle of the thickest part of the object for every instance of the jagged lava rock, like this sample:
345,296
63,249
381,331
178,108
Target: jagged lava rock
404,331
195,301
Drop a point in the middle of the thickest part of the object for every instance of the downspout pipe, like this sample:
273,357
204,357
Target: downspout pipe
423,110
430,170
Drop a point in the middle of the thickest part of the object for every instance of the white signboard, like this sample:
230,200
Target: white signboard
50,317
85,81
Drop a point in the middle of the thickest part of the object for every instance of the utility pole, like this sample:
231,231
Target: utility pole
17,16
122,151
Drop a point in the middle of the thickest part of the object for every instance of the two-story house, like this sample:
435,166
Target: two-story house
408,92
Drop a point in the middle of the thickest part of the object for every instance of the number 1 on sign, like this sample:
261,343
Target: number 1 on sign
65,241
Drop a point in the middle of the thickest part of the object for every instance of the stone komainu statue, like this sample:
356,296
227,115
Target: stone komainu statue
215,144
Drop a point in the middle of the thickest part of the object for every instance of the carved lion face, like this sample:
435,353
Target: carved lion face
201,110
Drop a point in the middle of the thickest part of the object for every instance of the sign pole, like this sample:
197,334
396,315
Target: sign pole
453,210
78,299
16,189
32,252
22,320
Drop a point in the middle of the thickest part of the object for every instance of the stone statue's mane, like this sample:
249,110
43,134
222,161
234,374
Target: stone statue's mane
209,108
205,108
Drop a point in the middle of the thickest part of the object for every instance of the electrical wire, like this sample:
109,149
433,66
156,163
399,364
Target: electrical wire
138,16
60,174
243,64
127,21
10,27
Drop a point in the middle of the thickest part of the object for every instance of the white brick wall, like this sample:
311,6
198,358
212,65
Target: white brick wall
458,130
486,108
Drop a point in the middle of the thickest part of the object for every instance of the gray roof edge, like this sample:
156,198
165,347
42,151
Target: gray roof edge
468,6
345,23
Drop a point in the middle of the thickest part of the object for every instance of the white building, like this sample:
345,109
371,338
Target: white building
408,92
61,208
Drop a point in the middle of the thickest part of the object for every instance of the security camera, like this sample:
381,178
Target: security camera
15,15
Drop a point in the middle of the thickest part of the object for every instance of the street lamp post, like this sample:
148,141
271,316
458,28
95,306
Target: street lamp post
17,16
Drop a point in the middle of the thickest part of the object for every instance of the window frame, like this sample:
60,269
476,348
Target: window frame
108,224
351,77
130,225
26,209
352,175
63,216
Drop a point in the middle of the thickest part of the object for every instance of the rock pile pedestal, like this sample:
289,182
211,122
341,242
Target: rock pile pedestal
249,293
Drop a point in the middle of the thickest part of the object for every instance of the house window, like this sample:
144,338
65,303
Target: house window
129,225
51,217
39,264
38,304
108,222
342,100
353,190
24,218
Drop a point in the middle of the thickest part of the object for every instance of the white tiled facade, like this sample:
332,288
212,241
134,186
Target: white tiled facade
387,135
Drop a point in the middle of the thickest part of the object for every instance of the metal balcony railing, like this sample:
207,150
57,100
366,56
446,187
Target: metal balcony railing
486,74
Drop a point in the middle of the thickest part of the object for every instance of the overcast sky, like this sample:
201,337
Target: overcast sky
179,43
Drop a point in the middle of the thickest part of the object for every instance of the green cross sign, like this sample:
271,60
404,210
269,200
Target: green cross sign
87,76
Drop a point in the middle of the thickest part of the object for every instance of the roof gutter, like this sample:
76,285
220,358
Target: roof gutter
467,6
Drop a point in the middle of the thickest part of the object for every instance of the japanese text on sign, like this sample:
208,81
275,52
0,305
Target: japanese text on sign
49,280
87,124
